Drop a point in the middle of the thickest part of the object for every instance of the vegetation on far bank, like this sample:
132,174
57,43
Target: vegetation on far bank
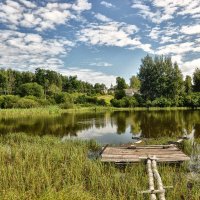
45,168
159,83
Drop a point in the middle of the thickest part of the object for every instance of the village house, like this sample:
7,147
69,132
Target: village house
130,92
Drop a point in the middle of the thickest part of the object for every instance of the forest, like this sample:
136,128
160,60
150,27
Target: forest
159,83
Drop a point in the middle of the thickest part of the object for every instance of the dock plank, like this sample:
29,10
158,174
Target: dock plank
124,154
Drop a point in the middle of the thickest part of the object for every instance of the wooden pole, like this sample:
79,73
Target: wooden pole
158,179
151,180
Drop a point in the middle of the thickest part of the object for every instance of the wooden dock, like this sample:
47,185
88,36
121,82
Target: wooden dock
134,154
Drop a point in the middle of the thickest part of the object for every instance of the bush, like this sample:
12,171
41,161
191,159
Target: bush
66,105
26,103
161,102
192,100
32,89
8,101
101,102
63,97
119,94
124,102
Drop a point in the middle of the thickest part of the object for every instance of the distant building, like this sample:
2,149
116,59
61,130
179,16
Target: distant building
104,91
111,91
130,92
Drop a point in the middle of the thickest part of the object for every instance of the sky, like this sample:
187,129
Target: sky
98,40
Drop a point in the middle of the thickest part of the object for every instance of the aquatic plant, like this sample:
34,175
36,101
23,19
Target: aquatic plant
44,168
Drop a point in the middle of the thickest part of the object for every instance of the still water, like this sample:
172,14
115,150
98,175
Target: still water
108,127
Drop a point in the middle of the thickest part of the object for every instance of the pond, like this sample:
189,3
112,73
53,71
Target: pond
108,127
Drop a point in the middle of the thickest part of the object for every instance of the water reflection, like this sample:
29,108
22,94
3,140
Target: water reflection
109,127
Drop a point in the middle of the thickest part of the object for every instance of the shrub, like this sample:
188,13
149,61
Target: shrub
26,103
161,102
33,89
119,94
66,105
124,102
192,100
9,101
101,102
63,97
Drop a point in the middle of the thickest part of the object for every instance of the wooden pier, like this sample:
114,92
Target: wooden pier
134,154
152,154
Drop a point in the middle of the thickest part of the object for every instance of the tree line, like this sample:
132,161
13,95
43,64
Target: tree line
159,83
44,87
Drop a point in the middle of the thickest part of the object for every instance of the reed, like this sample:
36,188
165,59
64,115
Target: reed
18,112
46,168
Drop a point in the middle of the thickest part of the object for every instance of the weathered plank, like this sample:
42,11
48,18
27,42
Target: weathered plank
123,154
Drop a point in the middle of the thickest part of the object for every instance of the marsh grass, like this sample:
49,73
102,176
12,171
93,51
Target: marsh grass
13,113
45,168
56,110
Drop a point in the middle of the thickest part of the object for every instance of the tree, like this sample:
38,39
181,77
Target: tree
31,89
188,84
121,83
99,88
176,88
135,83
159,77
3,81
196,80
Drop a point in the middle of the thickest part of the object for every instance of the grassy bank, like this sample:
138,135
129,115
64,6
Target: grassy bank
47,169
55,110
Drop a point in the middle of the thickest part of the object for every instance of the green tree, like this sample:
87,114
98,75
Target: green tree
31,89
99,88
135,83
196,80
188,84
3,81
121,83
160,78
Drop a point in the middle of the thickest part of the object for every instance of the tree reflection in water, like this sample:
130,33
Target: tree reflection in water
150,124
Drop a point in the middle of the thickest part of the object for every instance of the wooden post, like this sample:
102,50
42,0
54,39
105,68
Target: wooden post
158,179
151,180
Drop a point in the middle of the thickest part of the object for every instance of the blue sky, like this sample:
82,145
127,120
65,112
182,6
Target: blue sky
98,40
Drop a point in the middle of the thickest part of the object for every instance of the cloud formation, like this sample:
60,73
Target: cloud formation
29,15
43,33
113,33
28,50
107,4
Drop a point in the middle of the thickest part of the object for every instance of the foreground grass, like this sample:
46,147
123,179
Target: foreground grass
47,168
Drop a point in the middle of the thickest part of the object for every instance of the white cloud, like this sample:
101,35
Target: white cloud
112,34
27,3
27,14
107,5
82,5
190,30
101,64
25,51
102,18
90,76
178,48
161,11
189,67
146,12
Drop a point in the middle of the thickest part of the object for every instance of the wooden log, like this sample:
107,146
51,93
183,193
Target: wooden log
151,179
158,179
152,191
104,148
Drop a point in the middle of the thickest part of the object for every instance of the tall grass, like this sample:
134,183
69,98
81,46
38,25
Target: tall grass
46,168
18,112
